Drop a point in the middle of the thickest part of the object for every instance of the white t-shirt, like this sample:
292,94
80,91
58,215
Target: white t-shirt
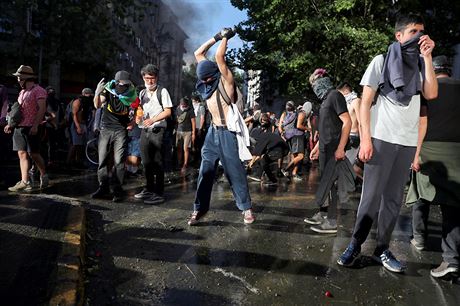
390,122
151,106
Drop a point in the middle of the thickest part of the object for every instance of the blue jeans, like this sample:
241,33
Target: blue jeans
220,144
117,141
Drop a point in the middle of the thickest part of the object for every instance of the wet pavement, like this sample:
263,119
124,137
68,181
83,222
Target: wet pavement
141,254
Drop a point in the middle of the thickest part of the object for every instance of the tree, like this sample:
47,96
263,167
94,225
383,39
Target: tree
288,39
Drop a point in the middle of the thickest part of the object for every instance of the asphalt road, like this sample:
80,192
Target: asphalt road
140,254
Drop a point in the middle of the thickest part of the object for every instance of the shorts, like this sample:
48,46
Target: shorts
22,141
186,137
133,146
297,144
78,140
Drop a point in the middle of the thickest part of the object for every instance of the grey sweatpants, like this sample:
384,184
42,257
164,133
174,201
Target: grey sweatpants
385,176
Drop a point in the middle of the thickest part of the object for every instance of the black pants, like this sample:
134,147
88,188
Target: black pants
151,146
326,153
420,214
265,164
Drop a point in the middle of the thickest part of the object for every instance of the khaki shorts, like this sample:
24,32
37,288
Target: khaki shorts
185,137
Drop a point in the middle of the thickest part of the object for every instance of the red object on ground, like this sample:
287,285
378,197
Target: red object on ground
98,254
328,294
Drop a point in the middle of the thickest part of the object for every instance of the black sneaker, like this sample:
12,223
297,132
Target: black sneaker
144,194
329,226
349,256
100,193
154,199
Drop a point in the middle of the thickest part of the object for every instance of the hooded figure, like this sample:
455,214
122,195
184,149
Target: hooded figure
208,78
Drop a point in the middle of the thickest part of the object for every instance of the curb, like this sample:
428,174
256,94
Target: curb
69,287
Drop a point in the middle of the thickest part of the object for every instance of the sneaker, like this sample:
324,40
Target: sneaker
196,215
444,269
349,256
248,216
317,218
100,193
297,178
44,181
144,194
154,199
418,244
20,186
329,226
254,178
389,261
285,173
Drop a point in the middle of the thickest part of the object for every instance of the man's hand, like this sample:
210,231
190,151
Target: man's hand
148,122
100,87
426,45
79,130
7,129
193,138
314,154
218,36
365,150
415,164
339,154
33,130
227,33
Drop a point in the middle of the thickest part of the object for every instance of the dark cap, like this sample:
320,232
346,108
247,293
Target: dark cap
123,77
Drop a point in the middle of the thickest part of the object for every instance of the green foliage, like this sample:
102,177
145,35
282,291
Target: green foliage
288,39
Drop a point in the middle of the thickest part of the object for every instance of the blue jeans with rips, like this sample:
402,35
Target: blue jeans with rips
221,144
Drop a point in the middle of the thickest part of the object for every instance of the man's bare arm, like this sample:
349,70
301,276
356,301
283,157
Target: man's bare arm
200,53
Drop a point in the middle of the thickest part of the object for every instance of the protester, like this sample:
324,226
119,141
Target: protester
154,109
82,113
334,129
185,132
27,135
389,134
437,166
292,128
215,81
116,98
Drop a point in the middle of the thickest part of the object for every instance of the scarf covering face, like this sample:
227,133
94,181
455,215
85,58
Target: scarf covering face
204,70
322,86
400,79
128,98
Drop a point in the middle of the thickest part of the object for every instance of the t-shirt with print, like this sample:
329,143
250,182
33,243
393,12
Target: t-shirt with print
330,125
391,122
29,107
115,115
184,123
199,111
151,106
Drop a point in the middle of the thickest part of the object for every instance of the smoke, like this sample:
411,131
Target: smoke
195,17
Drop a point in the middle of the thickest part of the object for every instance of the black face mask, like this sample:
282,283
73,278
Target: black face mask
119,88
289,109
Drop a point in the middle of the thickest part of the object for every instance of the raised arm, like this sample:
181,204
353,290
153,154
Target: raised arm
200,53
430,84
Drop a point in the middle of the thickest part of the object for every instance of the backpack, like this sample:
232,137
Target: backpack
170,124
236,93
14,115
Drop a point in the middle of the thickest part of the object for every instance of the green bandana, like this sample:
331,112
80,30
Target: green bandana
127,98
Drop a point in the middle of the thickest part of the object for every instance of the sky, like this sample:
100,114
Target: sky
202,19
